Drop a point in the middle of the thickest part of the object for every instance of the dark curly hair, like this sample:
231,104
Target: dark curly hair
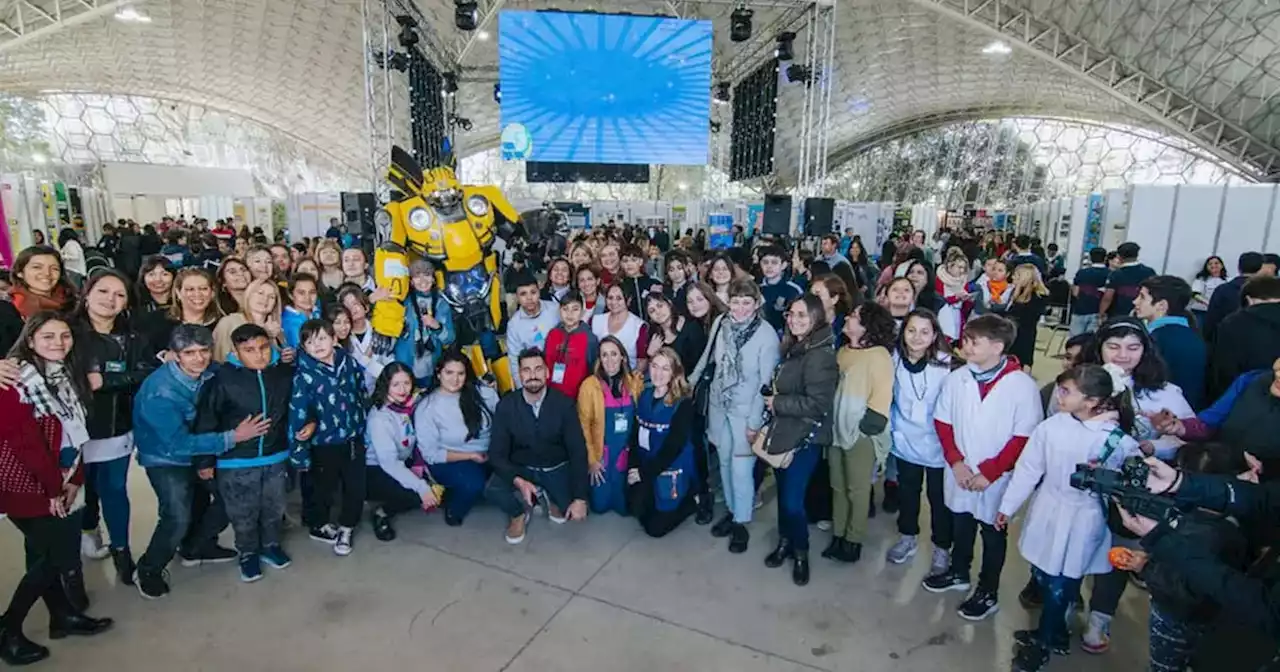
382,387
880,326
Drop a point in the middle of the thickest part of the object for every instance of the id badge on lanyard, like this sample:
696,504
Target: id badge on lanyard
620,423
557,373
644,437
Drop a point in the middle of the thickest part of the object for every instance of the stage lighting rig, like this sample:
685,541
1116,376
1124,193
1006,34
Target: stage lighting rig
450,85
497,93
797,72
715,126
460,122
785,51
740,23
394,60
408,35
722,93
466,14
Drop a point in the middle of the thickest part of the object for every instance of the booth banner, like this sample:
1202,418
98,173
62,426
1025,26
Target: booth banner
861,219
1093,228
1000,221
755,219
720,228
9,241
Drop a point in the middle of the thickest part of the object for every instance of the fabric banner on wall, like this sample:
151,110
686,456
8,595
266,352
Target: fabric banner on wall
1093,225
9,241
755,218
720,228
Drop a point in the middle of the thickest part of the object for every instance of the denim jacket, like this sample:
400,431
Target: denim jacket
164,412
406,349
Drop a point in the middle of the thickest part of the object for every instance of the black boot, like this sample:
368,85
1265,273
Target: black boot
723,527
779,554
63,625
890,497
706,510
16,649
832,547
123,561
849,551
381,522
800,570
739,537
73,587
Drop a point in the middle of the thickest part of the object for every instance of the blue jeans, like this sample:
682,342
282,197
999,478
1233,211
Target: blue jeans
793,522
463,485
106,487
1059,594
737,478
1082,324
1171,641
187,516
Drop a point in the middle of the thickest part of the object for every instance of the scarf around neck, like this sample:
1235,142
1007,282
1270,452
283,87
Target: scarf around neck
52,394
951,284
732,340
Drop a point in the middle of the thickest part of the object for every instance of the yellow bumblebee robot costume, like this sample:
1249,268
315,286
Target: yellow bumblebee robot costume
454,225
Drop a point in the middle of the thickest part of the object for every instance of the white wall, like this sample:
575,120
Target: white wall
176,181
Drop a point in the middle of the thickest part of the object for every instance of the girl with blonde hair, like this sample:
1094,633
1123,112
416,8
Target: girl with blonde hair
1027,304
661,467
261,306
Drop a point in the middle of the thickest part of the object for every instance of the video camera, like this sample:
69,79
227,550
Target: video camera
1127,487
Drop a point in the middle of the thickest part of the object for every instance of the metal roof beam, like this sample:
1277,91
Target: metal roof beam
27,20
1095,66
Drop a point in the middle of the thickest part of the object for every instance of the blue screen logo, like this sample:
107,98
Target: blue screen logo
516,143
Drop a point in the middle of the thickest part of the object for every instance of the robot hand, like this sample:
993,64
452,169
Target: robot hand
387,324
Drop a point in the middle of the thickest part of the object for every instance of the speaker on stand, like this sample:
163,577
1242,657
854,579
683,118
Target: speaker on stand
818,216
358,209
777,215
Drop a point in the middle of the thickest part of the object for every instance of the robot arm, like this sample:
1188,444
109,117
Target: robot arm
390,273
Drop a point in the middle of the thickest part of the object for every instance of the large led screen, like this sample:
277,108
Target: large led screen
604,88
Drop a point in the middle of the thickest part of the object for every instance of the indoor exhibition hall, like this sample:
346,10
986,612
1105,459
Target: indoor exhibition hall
569,335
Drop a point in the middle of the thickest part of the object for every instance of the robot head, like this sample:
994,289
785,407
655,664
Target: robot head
440,188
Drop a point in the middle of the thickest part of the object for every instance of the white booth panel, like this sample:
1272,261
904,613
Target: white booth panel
1150,215
1245,218
1115,217
157,180
1072,244
1195,226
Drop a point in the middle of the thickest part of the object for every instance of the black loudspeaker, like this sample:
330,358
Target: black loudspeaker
777,214
358,209
818,215
558,171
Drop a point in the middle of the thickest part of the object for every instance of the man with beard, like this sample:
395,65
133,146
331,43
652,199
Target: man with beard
538,451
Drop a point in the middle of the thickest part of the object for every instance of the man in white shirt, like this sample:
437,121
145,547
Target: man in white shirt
529,326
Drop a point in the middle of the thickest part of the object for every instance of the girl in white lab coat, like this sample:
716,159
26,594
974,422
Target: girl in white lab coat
1065,535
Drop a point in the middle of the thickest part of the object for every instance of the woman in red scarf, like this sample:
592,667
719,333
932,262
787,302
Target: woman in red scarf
40,282
40,474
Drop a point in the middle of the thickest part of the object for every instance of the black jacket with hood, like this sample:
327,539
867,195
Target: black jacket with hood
804,392
1247,340
235,393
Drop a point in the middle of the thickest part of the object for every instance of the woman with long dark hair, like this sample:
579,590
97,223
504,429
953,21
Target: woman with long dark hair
40,282
453,425
45,426
72,252
118,360
607,412
803,395
1211,276
559,280
155,280
390,484
233,279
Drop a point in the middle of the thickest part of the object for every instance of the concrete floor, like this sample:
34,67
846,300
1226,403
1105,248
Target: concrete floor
593,596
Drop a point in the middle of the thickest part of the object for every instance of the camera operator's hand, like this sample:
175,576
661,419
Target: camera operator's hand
1162,479
1138,525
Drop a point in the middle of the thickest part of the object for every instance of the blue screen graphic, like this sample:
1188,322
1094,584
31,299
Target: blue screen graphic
604,88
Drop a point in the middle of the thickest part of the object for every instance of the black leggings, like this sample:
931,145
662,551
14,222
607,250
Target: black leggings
51,553
912,478
331,466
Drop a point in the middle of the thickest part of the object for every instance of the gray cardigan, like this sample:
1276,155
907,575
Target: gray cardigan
440,427
389,438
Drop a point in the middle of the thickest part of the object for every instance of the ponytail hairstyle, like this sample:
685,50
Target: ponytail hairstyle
1107,385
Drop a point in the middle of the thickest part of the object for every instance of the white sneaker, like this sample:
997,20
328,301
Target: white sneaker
91,545
941,561
902,551
343,546
824,525
1097,638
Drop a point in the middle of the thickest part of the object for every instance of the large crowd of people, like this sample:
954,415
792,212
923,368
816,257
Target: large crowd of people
655,379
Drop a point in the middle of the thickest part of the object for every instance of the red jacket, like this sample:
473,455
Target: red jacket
29,472
576,351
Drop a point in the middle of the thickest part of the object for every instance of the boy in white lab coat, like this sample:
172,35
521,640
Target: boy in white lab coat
985,414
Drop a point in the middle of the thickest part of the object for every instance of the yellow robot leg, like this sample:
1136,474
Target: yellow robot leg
498,367
501,369
390,272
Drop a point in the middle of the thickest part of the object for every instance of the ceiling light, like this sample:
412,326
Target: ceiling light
408,37
466,14
683,186
784,50
497,93
39,158
997,48
740,24
128,14
483,35
450,85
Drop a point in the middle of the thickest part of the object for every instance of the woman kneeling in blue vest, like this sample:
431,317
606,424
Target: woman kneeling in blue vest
661,466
